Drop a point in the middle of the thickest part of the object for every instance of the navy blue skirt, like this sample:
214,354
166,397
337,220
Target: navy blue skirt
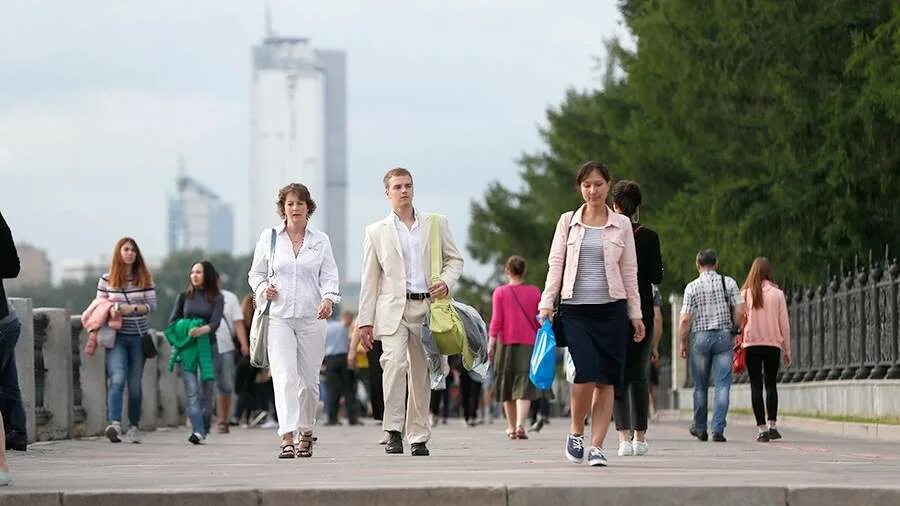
598,337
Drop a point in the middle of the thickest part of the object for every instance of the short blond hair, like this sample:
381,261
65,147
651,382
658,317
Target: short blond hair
396,171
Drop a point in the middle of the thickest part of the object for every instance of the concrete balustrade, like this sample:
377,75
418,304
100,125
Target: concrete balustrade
25,361
56,336
55,340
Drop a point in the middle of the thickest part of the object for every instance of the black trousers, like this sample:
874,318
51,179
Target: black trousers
470,392
632,400
341,382
376,393
763,363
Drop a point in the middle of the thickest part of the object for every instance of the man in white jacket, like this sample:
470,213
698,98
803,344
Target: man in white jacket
393,303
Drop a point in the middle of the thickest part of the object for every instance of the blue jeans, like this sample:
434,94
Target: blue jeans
198,399
11,404
125,363
711,352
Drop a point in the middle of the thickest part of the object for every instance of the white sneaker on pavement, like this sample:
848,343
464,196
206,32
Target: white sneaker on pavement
113,431
640,447
626,449
133,435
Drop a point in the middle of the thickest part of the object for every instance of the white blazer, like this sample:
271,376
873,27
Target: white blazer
382,296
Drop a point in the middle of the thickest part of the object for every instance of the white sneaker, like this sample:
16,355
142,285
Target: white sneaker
596,457
640,447
269,424
113,431
133,435
626,449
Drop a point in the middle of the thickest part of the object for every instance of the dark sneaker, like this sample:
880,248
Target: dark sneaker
596,457
719,437
575,448
394,443
419,450
763,437
774,434
196,438
701,435
17,441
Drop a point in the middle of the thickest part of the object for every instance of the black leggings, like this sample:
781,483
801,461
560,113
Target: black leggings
632,398
470,395
762,367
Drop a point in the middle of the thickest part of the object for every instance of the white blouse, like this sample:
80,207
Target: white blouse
303,281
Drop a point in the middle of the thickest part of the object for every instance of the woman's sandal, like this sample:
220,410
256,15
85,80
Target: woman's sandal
510,434
304,449
288,451
520,433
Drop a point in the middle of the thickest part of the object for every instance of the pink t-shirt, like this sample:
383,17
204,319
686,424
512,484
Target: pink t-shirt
515,309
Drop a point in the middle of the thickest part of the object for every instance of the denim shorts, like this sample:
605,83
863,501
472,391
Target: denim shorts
224,367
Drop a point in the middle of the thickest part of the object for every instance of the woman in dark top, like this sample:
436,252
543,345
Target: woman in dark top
13,411
633,398
202,300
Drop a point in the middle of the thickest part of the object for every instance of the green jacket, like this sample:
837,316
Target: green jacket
191,352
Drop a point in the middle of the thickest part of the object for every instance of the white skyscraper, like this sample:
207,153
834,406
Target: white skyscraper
298,134
198,218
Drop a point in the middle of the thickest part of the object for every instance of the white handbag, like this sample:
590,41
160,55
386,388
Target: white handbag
259,327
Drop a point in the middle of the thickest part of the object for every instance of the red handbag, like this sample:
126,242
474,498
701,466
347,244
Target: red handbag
739,362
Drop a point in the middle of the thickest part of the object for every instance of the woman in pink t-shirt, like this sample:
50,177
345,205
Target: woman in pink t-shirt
512,332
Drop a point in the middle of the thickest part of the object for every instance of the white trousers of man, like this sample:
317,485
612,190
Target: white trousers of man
296,349
404,357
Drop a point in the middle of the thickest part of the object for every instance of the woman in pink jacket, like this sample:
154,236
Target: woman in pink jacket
767,342
592,268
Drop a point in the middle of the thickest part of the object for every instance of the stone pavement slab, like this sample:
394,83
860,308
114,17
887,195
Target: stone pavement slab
468,466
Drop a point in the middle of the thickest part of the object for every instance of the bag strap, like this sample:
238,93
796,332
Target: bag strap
524,313
728,300
271,267
434,236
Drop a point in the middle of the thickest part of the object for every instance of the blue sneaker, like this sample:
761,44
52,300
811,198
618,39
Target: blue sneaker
596,457
575,448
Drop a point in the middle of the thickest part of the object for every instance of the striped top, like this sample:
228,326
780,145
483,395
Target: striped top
131,323
591,286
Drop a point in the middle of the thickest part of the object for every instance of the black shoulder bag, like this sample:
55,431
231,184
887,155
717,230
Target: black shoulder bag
148,344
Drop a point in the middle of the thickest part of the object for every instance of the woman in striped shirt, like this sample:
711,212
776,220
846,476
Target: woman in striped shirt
129,285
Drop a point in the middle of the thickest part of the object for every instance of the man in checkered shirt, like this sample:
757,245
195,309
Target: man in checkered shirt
711,303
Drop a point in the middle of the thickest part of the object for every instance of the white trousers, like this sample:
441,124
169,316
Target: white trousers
404,357
296,348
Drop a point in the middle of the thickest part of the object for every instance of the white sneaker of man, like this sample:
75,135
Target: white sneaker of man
133,435
625,449
640,447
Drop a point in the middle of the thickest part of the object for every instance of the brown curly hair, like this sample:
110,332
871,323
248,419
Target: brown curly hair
302,193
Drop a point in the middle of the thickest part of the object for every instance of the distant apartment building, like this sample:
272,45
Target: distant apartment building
199,219
35,271
299,134
79,270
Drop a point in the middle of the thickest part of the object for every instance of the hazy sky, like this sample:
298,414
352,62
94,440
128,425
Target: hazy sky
97,98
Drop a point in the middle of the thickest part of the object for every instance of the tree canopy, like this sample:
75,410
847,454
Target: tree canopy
753,127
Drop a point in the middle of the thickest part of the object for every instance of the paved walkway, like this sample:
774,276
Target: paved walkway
348,457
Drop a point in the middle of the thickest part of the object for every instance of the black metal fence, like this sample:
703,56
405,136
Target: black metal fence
847,329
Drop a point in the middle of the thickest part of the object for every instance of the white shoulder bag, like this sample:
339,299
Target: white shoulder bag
259,328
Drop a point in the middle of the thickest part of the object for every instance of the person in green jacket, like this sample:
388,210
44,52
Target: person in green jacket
197,313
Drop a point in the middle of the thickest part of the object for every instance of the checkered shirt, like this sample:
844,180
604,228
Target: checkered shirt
705,300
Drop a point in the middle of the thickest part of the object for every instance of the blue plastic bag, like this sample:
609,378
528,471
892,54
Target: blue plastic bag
543,357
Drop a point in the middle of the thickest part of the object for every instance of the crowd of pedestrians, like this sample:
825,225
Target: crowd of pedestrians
600,294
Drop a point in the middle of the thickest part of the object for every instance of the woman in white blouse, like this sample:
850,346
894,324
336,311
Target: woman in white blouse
301,280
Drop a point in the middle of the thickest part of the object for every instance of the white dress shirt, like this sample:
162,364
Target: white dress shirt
413,254
303,281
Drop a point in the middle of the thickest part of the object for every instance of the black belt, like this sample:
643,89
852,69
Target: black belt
417,296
